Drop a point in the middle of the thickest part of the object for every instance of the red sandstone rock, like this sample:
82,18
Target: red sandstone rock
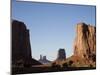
85,41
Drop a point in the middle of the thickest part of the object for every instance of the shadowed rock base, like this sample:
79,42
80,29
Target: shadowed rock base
48,69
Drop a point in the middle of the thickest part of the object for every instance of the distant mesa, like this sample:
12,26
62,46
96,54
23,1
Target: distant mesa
61,57
21,48
61,54
44,60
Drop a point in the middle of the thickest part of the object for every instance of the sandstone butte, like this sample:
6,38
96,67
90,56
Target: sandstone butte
85,43
21,48
84,47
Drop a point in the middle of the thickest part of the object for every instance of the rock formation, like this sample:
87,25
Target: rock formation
44,60
84,48
20,41
61,57
21,48
85,42
61,54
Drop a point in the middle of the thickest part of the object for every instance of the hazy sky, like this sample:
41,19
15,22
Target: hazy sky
52,26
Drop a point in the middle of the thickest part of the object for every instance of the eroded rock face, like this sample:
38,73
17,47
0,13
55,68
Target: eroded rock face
85,42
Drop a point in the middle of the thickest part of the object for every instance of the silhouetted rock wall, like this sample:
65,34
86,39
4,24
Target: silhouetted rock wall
21,48
20,41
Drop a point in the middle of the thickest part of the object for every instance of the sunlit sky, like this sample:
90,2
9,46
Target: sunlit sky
52,26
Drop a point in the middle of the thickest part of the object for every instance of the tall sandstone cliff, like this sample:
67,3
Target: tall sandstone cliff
21,48
85,42
84,48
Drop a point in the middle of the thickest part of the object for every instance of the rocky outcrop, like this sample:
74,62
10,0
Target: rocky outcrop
61,54
85,42
21,48
20,41
84,48
61,57
44,60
